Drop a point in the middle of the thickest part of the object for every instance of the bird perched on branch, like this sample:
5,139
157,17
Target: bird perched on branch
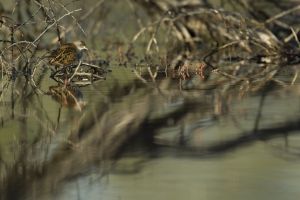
66,54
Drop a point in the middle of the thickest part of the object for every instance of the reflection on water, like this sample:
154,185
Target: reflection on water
247,173
151,139
219,122
67,96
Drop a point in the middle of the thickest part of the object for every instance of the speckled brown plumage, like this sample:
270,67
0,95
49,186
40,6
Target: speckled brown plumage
66,54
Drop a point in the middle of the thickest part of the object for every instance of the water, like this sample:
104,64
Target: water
158,127
248,172
199,154
133,136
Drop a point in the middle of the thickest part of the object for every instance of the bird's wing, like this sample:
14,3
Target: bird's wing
65,55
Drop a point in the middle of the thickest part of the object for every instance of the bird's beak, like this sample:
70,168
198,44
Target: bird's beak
85,48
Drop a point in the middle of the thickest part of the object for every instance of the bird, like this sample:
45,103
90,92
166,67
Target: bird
66,54
68,96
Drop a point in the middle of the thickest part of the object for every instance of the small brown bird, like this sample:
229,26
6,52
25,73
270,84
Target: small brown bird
67,54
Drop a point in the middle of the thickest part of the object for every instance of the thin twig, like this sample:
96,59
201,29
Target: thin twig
140,77
282,14
295,76
79,63
296,37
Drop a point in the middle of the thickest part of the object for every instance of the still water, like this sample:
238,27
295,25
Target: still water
258,170
187,158
160,125
248,173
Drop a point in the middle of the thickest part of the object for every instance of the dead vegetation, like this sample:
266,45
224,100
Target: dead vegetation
196,45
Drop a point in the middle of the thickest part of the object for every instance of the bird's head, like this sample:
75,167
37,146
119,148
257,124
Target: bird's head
80,45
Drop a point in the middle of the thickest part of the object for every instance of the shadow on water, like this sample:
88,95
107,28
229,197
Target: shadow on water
68,137
162,117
